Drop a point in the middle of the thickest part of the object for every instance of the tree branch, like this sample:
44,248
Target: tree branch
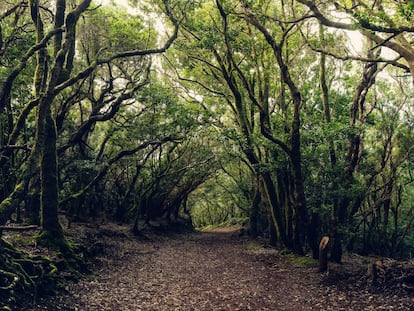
359,23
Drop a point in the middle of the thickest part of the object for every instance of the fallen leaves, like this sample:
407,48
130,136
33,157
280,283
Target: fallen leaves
213,271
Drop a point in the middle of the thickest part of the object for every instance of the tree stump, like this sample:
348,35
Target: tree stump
323,254
373,273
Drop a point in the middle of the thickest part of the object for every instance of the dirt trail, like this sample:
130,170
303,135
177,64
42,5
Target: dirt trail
206,272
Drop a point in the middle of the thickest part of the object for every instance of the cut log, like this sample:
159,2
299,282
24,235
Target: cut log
323,254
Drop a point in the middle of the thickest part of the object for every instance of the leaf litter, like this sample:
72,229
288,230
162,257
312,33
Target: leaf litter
212,271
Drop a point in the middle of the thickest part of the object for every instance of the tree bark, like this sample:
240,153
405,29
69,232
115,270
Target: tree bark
51,227
52,232
254,212
323,254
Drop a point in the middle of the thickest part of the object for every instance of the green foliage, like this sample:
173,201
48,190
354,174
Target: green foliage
406,10
224,199
167,115
111,29
208,96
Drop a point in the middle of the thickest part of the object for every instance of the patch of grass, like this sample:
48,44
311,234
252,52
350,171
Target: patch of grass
205,228
253,246
302,260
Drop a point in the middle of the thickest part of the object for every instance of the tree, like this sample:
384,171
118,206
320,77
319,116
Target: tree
222,50
256,114
49,81
387,23
229,55
48,50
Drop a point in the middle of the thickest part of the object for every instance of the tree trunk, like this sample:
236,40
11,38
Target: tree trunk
323,254
275,210
52,232
254,211
337,244
273,238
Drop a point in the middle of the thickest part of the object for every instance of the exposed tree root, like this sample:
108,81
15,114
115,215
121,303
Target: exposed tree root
70,261
24,277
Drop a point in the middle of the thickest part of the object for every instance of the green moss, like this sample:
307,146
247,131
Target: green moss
253,246
303,260
8,205
21,239
46,239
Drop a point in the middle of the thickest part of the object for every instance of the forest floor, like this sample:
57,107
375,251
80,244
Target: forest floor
215,270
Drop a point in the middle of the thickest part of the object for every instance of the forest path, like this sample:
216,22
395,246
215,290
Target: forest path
207,271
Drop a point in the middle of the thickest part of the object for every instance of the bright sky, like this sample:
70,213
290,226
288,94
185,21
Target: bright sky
121,2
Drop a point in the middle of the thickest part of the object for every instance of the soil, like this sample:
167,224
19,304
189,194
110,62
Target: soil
215,270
